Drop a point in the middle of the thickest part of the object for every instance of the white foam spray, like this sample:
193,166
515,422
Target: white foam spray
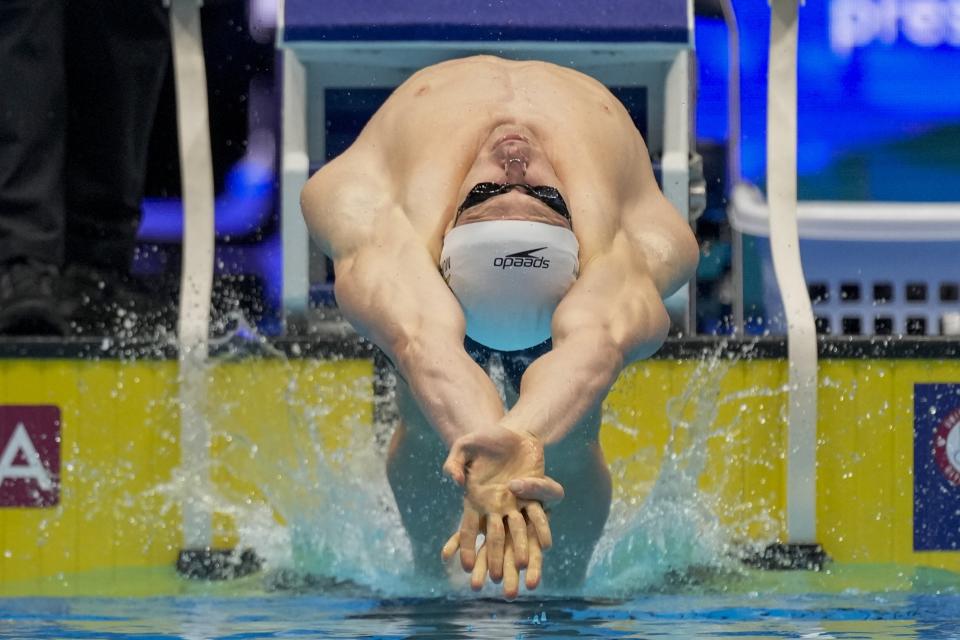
340,523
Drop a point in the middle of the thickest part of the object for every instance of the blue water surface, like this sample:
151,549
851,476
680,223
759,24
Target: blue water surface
751,615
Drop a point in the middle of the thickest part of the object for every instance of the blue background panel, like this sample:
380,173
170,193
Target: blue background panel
487,20
936,473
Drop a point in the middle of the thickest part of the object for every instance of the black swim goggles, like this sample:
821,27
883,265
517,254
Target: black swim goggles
549,196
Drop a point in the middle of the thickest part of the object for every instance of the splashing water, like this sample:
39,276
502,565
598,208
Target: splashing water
332,514
675,533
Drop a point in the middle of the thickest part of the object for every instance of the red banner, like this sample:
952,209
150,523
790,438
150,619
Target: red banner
29,455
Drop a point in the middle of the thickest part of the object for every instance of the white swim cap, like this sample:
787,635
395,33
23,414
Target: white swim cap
509,276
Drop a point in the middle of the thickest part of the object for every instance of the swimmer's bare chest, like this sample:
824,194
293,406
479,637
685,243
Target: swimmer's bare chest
437,121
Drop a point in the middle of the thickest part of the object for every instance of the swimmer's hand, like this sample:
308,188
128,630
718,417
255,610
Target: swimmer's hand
511,572
503,474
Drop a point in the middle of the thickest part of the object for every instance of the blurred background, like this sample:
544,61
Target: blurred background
879,120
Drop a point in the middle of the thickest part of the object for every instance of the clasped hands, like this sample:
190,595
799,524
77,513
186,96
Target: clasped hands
505,490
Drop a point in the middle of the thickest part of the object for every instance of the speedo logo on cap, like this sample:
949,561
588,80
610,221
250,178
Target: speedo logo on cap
523,259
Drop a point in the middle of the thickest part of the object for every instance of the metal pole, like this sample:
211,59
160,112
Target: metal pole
785,246
196,281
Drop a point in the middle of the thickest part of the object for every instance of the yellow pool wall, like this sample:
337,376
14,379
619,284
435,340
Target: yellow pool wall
120,450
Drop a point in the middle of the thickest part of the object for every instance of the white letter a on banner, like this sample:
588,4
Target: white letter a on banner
33,470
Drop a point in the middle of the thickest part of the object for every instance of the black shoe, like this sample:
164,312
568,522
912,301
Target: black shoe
102,302
28,302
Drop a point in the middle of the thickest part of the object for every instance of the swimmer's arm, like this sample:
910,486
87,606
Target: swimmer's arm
613,315
389,288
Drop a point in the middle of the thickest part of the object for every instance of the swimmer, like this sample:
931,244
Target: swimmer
501,211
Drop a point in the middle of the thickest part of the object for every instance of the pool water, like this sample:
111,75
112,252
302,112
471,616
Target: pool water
840,602
314,616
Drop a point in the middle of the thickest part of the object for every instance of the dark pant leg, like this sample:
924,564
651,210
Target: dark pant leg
32,129
117,57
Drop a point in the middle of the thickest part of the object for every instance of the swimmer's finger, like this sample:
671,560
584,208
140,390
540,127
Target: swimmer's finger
545,490
450,547
479,573
511,576
494,545
535,563
518,537
469,528
538,518
455,465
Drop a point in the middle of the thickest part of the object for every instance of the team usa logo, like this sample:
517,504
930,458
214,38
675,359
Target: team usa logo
946,447
29,456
